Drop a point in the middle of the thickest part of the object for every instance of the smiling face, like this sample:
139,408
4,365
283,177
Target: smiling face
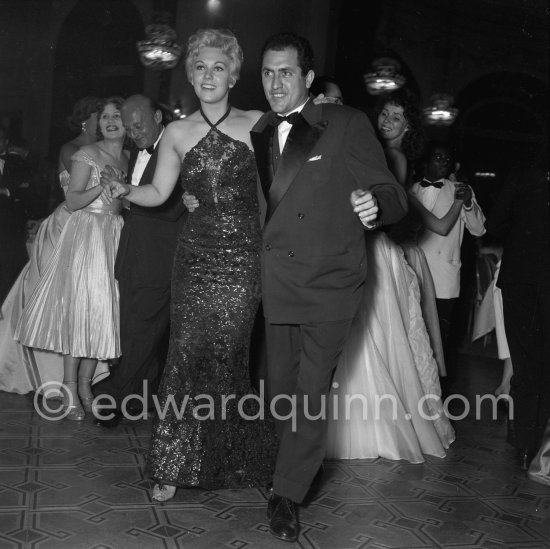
110,123
142,123
392,123
211,74
285,86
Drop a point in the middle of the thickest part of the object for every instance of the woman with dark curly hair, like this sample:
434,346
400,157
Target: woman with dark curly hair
400,128
74,308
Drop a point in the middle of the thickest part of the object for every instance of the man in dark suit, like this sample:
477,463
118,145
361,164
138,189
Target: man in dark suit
324,178
519,218
143,268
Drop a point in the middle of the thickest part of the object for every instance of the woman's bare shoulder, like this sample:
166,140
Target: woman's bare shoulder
251,116
395,154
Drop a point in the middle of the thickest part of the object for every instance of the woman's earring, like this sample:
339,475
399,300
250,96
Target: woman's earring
83,126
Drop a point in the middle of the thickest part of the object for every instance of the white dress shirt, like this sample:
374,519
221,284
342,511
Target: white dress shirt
142,161
284,128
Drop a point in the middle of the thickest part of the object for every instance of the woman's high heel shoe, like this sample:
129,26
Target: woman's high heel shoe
85,393
87,404
163,492
71,404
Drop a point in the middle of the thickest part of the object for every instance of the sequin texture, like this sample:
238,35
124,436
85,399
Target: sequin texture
215,296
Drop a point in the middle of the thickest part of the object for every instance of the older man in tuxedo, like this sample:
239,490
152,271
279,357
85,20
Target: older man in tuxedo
324,178
143,269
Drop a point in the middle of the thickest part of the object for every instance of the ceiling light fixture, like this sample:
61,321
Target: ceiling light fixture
159,51
441,111
385,76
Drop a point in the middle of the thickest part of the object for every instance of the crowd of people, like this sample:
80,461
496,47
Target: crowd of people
142,289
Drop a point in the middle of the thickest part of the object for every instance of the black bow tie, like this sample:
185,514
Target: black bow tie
427,183
150,149
292,118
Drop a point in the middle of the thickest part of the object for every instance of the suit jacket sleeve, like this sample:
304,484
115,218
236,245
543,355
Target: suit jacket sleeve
367,163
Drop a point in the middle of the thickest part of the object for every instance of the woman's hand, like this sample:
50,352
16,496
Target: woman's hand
190,201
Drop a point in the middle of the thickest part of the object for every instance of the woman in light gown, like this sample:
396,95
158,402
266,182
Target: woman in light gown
74,308
23,369
215,286
386,393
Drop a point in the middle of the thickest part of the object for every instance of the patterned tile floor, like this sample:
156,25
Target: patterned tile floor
67,485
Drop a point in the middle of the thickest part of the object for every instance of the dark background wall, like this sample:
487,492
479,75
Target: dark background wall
491,55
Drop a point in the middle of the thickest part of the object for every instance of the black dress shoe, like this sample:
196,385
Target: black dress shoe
109,423
283,518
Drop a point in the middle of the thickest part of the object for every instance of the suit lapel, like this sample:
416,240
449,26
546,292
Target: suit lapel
149,171
302,138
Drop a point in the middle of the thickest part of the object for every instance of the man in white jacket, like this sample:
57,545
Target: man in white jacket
437,193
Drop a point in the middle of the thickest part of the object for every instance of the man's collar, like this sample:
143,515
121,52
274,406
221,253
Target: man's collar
297,109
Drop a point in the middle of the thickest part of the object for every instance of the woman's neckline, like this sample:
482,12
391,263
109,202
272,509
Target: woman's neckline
207,120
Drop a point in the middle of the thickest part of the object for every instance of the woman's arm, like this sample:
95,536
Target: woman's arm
65,154
77,196
441,226
166,175
397,163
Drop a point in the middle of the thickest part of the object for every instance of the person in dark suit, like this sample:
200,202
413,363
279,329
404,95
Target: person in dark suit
324,179
143,269
519,219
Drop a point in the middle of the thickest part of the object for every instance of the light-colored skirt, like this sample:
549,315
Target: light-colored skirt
74,308
386,384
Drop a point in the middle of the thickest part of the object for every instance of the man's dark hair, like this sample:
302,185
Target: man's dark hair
284,40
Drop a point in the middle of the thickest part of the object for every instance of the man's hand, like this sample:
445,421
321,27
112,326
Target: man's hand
322,98
463,192
190,201
365,206
112,180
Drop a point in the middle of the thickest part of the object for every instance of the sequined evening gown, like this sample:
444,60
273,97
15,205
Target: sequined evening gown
215,296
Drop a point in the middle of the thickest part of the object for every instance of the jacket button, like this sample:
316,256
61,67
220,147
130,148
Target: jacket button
267,247
291,254
301,215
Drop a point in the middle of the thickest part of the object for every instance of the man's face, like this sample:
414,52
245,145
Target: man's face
439,164
142,123
285,86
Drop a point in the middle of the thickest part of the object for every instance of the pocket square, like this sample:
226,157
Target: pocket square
314,158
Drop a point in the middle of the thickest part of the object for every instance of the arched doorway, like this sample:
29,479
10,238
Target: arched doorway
95,55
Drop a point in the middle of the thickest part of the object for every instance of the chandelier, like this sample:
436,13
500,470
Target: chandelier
441,111
385,76
159,51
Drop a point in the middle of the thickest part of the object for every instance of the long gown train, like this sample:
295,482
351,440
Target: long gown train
386,393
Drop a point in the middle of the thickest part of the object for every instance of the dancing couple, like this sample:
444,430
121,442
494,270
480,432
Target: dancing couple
323,179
